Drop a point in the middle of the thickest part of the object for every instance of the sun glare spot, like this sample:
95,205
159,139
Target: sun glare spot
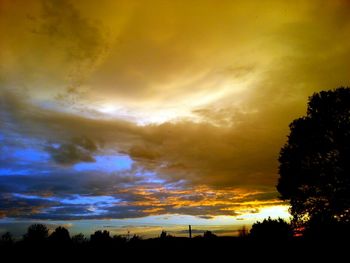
278,211
107,108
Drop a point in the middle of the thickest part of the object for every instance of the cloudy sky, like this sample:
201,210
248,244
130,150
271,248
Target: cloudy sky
156,114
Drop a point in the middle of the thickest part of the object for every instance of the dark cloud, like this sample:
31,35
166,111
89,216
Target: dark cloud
80,149
11,206
61,182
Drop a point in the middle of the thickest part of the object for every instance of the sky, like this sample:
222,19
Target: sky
148,115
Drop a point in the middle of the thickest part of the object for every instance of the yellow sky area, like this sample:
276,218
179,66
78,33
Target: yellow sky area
156,61
220,225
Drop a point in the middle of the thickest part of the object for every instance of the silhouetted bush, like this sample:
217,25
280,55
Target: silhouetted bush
271,229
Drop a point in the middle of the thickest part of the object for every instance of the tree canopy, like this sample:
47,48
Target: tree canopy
60,235
36,233
315,162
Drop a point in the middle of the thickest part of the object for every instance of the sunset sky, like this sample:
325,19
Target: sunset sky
150,115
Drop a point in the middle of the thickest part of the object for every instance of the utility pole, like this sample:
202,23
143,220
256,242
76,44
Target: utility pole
190,231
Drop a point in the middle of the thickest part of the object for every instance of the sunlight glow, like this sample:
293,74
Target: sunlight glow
107,108
278,211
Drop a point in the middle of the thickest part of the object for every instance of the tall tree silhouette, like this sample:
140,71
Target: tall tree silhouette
60,236
163,234
315,162
36,233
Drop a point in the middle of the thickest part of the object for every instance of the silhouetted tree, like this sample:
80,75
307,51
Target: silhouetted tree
163,235
271,229
60,236
315,162
36,233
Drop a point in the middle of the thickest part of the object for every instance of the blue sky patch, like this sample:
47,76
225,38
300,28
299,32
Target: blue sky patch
31,155
106,163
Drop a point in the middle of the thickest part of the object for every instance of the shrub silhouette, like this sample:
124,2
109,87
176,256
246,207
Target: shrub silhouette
271,229
315,162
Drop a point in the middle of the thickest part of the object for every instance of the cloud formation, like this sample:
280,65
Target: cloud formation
80,149
190,101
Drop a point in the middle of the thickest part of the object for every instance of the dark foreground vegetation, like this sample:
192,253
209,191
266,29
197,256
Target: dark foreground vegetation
265,239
